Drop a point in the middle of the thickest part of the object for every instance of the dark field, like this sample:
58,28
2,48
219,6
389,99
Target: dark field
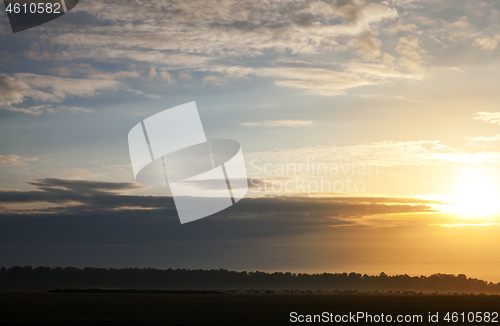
37,308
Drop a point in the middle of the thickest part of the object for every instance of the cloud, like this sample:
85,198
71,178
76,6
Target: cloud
316,81
83,187
483,138
93,223
87,223
386,153
177,40
45,55
381,71
461,23
398,28
279,123
74,195
90,223
486,43
491,117
185,75
481,141
411,53
162,75
235,27
38,109
174,36
62,88
15,160
73,108
78,69
406,99
15,90
80,196
216,81
225,75
116,75
368,47
35,53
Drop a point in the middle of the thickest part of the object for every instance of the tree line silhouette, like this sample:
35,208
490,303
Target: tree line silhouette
27,277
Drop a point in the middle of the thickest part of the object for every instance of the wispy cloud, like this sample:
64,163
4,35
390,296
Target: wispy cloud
161,75
369,43
411,52
61,88
235,27
15,90
316,81
173,36
116,75
491,117
15,160
483,138
386,153
279,123
487,43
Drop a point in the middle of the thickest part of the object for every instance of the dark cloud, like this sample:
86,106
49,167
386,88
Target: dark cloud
87,222
96,196
91,194
70,198
82,186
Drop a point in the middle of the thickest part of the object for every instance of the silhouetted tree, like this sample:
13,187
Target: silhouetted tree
150,278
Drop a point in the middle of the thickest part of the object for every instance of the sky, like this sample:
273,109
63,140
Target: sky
370,131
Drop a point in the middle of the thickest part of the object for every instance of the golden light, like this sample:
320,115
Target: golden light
477,195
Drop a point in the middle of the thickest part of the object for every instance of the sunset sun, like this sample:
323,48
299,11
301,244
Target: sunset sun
477,196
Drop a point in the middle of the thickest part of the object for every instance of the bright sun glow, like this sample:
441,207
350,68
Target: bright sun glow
477,196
